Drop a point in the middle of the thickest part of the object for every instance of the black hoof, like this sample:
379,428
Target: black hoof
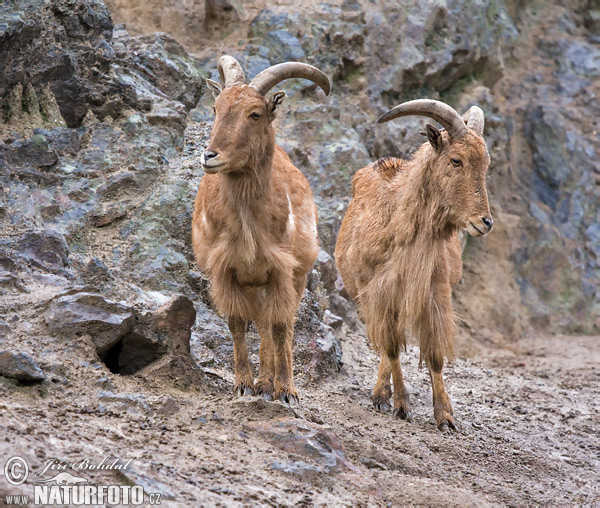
403,414
267,396
383,406
243,390
289,399
446,427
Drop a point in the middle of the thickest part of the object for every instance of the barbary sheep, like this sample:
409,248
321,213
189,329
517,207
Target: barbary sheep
254,227
398,249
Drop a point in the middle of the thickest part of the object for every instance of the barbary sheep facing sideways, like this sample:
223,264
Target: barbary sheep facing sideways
254,228
398,249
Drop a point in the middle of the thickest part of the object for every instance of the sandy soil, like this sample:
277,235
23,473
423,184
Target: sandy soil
528,427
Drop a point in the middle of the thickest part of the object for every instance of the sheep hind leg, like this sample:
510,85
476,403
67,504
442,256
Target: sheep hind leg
264,384
442,408
382,391
284,388
244,379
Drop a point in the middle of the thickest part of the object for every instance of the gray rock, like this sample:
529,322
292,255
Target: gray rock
326,266
32,152
77,75
316,349
592,21
4,328
584,59
130,402
170,324
333,321
321,450
87,313
285,45
44,249
546,134
166,65
20,366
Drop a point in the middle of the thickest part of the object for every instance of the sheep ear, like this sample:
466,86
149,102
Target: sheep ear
435,137
214,87
274,102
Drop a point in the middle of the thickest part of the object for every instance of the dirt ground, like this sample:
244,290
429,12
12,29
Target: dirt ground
528,432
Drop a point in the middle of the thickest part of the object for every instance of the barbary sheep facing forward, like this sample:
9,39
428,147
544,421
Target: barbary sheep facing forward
254,228
398,250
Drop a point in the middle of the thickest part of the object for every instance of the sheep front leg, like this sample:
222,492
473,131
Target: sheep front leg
284,388
244,379
401,397
442,408
264,384
382,390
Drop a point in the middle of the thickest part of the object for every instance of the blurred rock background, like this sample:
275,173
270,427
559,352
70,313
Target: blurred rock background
99,173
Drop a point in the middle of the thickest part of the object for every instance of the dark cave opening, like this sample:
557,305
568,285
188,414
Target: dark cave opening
131,354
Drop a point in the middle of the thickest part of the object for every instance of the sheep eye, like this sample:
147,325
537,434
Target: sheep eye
255,116
456,162
214,110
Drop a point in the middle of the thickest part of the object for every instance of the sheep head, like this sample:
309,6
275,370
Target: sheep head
457,161
242,134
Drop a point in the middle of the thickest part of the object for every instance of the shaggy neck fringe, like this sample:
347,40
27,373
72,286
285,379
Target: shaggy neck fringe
247,194
418,229
421,215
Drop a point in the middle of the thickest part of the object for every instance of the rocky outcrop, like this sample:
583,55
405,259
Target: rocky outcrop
103,320
20,366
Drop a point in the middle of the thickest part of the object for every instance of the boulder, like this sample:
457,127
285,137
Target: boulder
105,321
47,250
20,366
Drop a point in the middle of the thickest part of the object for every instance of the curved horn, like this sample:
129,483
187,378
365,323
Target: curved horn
270,77
440,112
474,119
230,70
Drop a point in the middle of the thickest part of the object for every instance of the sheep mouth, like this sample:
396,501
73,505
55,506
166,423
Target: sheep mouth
212,167
480,233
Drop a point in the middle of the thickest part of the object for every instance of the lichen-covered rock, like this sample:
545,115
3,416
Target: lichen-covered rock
65,45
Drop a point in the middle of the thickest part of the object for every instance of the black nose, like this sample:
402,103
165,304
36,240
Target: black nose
210,155
488,222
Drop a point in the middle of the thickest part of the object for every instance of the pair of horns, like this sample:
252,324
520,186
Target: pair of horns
445,115
232,74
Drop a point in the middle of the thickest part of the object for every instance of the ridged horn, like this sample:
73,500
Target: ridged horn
270,77
474,119
440,112
231,71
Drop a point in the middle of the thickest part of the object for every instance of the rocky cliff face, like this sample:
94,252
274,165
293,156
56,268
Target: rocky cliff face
533,67
99,175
